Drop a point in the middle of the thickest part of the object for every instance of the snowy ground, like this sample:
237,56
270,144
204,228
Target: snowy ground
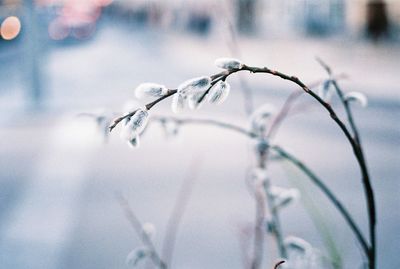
57,180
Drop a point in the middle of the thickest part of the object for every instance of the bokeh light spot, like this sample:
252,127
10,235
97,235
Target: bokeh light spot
10,28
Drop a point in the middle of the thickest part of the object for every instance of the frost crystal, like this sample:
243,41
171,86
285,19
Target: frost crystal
258,119
228,63
136,255
219,92
178,102
325,90
356,97
150,90
194,85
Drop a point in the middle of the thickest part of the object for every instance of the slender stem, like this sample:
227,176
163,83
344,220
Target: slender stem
358,150
295,161
178,210
278,264
137,226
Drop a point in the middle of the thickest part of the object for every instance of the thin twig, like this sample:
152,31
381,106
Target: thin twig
359,152
137,227
278,264
296,162
178,210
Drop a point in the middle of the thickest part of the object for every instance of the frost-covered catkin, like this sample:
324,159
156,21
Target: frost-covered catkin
219,92
258,119
178,102
357,97
190,93
325,90
194,85
150,90
134,126
228,63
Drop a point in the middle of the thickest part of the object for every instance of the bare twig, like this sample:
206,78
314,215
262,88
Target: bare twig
179,208
359,152
137,227
296,162
278,264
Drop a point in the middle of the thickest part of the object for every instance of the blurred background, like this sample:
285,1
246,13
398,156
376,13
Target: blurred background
59,58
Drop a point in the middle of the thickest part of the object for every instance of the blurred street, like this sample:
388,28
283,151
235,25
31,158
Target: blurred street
58,179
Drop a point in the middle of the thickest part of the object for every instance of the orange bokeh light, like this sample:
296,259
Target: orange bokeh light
10,28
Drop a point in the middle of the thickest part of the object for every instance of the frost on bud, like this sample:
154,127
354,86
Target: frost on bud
258,119
282,196
178,102
219,92
194,85
134,126
356,97
325,90
194,100
150,90
136,255
228,63
139,120
149,229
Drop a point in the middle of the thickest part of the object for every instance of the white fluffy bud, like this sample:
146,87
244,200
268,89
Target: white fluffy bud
134,126
356,97
149,229
282,196
258,119
219,92
150,90
194,100
228,63
194,85
178,102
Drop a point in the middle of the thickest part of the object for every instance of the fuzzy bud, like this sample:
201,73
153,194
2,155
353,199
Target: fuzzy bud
228,63
194,85
219,92
178,102
356,97
150,90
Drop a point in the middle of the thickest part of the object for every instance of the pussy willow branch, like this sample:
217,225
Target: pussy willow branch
292,159
278,264
359,152
137,226
355,146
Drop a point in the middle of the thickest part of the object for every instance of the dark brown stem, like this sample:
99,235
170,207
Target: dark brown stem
278,264
359,152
